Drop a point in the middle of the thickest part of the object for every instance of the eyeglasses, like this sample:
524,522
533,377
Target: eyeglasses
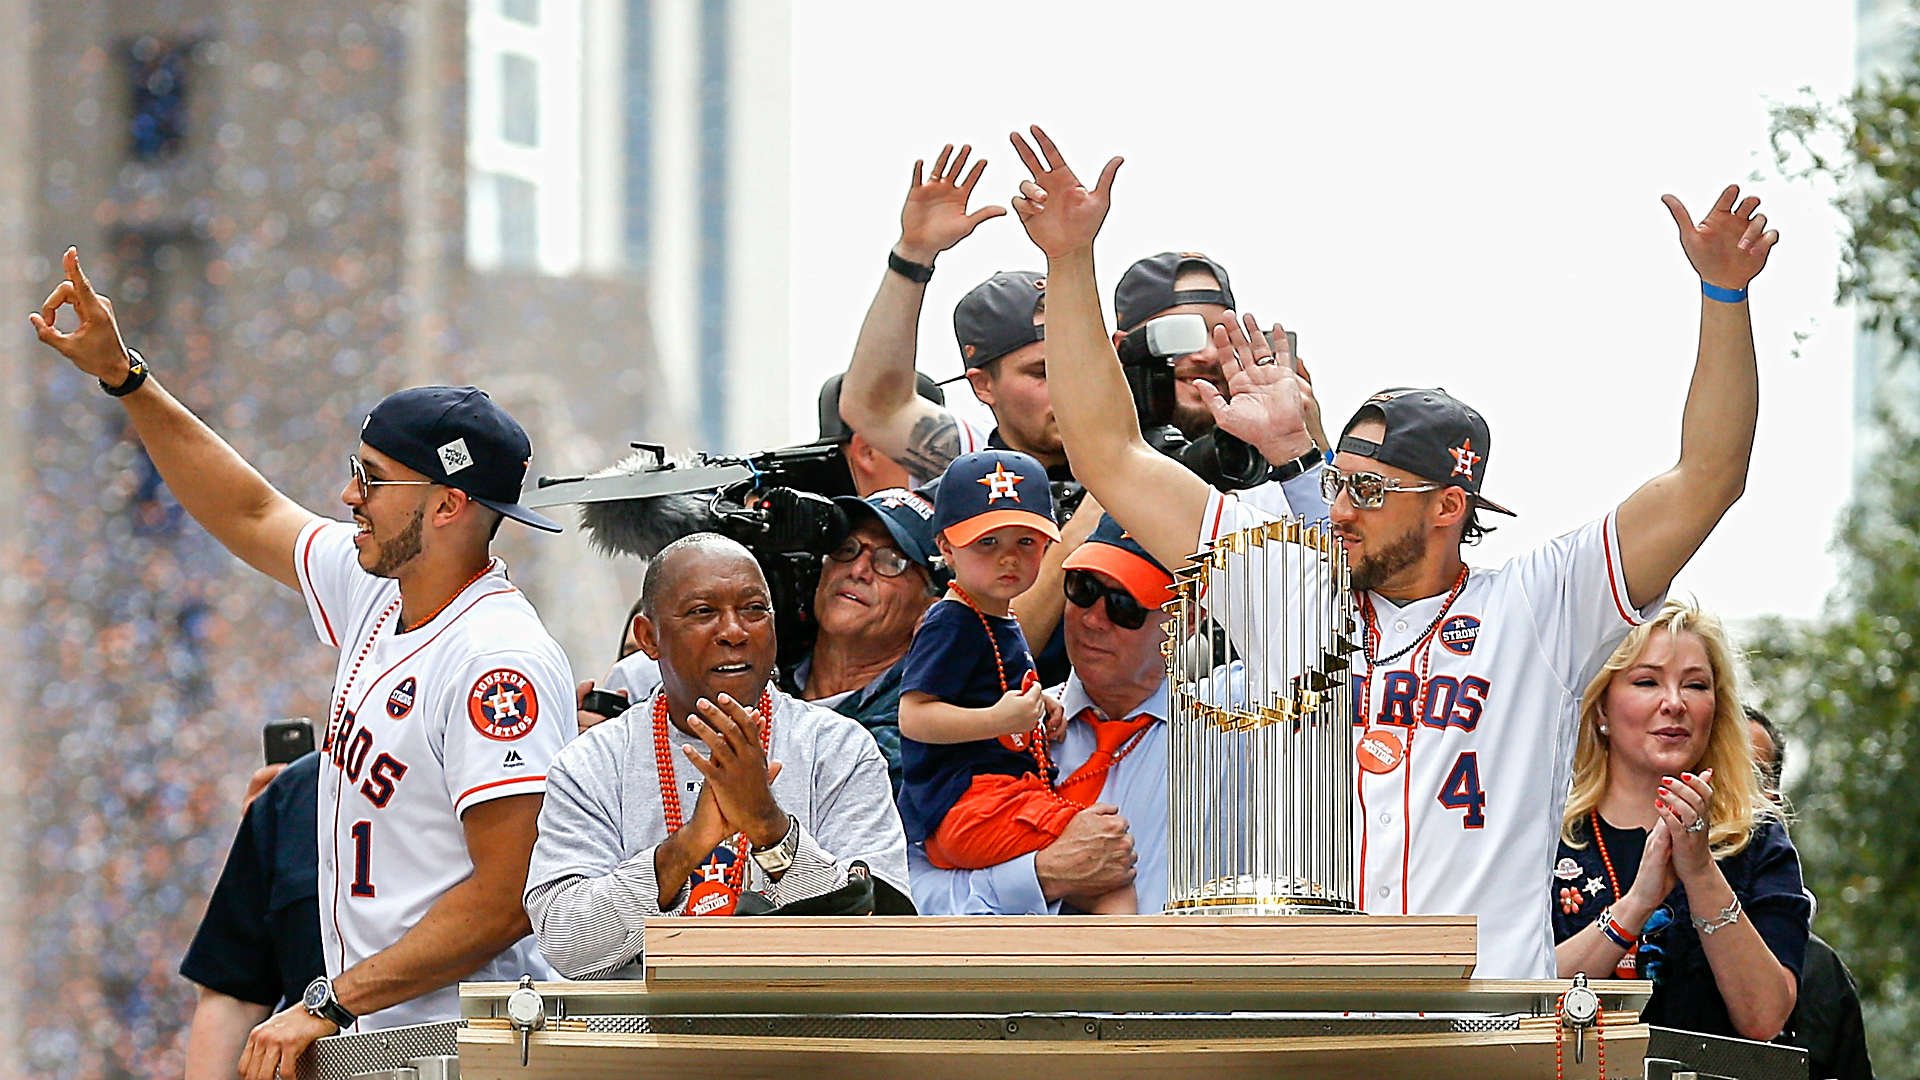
1369,489
1123,611
359,474
888,562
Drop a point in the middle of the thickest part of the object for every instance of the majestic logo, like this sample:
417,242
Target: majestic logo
1464,459
512,760
1000,484
454,456
502,705
1458,634
400,702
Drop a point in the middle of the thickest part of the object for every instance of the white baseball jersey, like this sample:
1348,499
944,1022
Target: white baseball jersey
422,726
1483,713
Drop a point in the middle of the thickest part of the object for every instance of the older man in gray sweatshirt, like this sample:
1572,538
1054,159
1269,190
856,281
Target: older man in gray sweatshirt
715,784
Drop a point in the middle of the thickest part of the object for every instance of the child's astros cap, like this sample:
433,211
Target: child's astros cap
984,490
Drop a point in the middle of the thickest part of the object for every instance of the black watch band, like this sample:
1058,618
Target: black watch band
319,1001
136,375
1287,471
907,268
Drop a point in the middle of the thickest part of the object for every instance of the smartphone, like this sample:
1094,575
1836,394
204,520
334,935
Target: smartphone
288,740
606,703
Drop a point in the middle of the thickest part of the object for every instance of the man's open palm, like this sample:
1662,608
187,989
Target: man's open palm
1060,215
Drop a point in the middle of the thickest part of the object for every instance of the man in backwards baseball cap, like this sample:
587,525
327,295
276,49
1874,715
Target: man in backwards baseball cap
442,661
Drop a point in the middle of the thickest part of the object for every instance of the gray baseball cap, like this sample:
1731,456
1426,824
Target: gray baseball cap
996,316
1146,289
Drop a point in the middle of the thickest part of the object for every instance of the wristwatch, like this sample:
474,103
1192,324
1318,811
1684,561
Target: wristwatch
136,374
1288,470
320,1002
776,859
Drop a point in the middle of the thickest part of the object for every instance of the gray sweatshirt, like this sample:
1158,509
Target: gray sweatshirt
591,882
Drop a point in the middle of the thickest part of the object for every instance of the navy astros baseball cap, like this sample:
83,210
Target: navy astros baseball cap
834,429
1146,289
457,436
996,316
1431,434
986,489
908,518
1115,553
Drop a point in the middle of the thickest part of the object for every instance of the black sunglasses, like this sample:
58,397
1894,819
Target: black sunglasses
1083,589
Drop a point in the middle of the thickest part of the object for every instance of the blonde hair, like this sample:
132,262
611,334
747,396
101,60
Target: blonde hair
1739,800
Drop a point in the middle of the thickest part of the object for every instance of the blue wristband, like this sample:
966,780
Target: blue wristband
1725,296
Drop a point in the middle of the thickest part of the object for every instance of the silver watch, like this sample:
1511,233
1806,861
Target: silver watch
776,859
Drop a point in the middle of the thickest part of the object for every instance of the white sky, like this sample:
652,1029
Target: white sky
1427,197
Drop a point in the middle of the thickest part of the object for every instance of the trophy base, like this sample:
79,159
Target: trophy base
1250,895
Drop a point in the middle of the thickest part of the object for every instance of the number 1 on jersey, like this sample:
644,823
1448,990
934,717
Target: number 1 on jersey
1461,791
362,858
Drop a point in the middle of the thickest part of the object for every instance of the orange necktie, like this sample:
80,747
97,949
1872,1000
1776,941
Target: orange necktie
1083,787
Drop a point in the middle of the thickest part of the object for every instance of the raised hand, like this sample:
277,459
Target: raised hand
935,215
1729,246
1060,216
95,346
1266,403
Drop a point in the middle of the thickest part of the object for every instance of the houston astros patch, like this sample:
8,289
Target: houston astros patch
502,705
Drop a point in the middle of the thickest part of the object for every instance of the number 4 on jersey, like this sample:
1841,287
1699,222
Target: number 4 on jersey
1461,791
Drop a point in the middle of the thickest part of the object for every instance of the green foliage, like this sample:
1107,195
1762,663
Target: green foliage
1867,147
1846,689
1847,693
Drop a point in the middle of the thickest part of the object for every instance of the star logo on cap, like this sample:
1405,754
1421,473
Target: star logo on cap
1464,459
1000,484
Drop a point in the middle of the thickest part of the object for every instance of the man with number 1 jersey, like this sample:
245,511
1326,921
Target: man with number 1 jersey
450,697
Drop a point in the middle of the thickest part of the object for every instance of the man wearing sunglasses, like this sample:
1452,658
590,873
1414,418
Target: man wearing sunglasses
1112,760
1464,685
448,702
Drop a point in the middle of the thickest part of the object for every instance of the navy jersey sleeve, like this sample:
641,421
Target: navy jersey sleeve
949,656
1773,896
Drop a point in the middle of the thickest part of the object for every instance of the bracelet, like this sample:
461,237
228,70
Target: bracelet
1725,296
1614,932
919,273
1727,917
136,375
1291,469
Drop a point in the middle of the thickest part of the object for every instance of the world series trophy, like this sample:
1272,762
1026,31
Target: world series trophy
1260,753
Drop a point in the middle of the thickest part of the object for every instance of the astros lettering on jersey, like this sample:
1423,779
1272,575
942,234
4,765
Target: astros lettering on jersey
422,726
1463,758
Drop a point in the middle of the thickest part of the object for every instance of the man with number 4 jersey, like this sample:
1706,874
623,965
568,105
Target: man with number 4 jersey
1466,684
448,703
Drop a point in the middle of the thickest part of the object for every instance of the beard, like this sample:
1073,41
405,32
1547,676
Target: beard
1398,554
397,552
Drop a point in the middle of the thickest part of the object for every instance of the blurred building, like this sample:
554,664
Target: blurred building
297,208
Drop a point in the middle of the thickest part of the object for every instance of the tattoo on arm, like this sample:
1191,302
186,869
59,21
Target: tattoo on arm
932,446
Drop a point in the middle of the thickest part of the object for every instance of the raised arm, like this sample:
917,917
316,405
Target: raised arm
1152,496
877,399
213,482
1663,523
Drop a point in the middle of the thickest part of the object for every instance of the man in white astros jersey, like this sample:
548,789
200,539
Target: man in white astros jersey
1466,686
449,700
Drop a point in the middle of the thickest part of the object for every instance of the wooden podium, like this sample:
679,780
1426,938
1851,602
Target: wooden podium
1051,999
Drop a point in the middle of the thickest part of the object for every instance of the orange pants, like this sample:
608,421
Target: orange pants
999,818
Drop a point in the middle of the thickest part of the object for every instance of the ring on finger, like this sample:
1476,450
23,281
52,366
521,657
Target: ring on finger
1699,825
1263,360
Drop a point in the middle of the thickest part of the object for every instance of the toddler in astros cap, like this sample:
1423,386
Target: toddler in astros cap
977,785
